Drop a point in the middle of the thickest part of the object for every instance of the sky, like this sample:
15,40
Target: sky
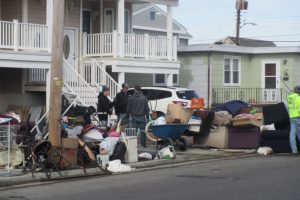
210,20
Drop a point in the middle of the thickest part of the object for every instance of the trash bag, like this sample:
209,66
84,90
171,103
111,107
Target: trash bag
119,152
116,166
108,145
167,153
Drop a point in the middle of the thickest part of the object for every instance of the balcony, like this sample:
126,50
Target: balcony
134,46
23,36
255,96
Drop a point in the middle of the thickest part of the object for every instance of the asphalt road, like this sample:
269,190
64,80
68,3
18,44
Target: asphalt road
276,177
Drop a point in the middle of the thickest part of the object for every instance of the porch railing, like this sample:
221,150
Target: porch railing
36,77
249,95
135,46
23,36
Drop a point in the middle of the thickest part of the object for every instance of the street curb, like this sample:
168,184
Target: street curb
93,172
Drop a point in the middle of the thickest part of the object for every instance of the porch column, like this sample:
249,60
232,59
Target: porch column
170,31
121,78
169,80
48,77
49,22
121,17
25,11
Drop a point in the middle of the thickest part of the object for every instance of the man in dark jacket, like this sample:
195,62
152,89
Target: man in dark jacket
104,106
138,111
121,101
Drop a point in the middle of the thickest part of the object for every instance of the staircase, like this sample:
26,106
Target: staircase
87,84
94,73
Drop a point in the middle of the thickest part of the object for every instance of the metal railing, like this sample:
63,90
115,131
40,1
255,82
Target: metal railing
249,95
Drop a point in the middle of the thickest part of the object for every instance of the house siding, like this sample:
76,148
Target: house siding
143,19
11,10
139,79
193,73
36,12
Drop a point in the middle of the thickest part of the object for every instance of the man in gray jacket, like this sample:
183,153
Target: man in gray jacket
138,111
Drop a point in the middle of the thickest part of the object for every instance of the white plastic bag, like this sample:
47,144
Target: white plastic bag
116,166
160,121
167,153
264,151
146,156
108,145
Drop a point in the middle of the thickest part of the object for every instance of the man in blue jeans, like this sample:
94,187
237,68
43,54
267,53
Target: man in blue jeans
293,101
138,111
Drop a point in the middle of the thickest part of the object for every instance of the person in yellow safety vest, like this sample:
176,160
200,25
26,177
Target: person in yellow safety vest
293,101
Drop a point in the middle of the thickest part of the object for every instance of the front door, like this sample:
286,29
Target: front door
271,82
70,46
109,20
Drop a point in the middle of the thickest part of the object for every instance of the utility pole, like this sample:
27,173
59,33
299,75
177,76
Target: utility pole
240,5
238,26
56,82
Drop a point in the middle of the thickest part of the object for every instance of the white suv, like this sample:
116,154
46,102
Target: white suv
160,97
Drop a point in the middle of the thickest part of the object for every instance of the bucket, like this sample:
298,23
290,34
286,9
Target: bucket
197,103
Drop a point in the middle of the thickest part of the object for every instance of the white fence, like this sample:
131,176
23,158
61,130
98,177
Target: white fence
135,46
23,36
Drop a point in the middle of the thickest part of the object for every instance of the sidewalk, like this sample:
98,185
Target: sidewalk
182,158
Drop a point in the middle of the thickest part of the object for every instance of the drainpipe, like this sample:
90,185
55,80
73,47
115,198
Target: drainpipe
209,89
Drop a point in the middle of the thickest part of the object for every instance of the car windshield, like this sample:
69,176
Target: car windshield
187,94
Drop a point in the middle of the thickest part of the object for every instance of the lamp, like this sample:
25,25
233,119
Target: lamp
285,75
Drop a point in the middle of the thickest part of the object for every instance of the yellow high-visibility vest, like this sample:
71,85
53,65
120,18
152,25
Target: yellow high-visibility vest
294,105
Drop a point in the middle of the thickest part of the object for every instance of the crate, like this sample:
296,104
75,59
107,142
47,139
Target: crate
5,144
194,125
10,130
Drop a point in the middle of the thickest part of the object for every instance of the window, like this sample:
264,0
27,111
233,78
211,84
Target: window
175,79
152,15
161,79
187,94
86,21
231,70
126,22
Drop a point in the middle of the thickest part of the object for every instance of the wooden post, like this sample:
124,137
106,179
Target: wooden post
56,81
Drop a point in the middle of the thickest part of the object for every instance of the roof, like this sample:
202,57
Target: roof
238,49
246,42
141,20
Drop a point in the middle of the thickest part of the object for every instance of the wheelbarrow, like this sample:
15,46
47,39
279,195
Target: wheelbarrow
167,134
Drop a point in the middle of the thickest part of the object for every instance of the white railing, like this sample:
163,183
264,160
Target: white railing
33,36
98,44
135,46
7,34
158,47
36,77
23,36
77,85
95,75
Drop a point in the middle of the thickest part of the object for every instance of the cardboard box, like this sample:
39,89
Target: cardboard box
258,116
245,122
69,152
177,114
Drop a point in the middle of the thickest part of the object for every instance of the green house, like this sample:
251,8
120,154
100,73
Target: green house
257,75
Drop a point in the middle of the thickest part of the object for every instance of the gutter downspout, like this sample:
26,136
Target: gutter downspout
209,89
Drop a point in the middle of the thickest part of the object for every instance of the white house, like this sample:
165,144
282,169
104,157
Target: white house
99,48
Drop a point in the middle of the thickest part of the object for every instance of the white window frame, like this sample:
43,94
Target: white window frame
231,58
165,81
